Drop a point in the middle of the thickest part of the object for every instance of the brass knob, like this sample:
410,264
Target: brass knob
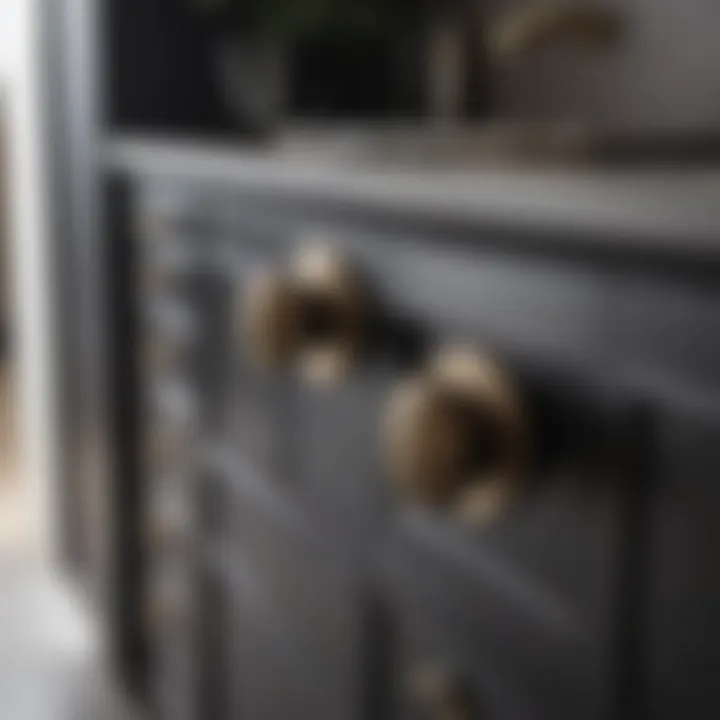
456,436
527,29
442,693
308,314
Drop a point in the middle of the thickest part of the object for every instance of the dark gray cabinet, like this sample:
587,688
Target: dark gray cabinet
316,589
245,545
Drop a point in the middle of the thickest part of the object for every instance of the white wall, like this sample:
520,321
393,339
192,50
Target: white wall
9,11
21,80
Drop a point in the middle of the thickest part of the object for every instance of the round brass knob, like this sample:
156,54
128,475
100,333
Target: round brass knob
444,695
456,436
308,314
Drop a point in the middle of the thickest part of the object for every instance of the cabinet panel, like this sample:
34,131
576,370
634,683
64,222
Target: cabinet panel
254,404
299,614
336,445
536,614
683,592
528,608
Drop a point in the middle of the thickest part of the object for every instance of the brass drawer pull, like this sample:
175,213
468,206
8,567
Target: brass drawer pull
308,315
456,436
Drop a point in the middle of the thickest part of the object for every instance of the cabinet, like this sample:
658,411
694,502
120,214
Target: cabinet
319,589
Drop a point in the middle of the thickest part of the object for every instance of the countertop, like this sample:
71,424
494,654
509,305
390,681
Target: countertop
658,209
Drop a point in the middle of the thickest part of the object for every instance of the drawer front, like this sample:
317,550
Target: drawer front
532,613
523,616
533,596
299,610
681,622
173,295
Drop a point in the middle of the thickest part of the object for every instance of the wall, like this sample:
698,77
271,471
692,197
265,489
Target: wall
663,73
28,257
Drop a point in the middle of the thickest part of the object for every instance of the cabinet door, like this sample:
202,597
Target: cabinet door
299,646
522,615
526,606
681,623
256,402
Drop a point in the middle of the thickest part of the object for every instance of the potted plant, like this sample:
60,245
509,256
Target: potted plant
252,42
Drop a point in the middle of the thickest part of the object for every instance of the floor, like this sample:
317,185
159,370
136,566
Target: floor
50,656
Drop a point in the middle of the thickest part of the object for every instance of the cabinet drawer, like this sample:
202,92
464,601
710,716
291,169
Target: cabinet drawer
532,596
681,622
299,612
525,612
